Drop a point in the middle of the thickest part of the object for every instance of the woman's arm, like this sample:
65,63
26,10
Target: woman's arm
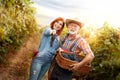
49,31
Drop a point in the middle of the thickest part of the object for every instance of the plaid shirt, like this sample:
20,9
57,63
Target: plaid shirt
80,45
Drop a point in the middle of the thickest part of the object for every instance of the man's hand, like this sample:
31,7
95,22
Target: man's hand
60,49
75,67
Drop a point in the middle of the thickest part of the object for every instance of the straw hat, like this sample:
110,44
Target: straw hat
68,21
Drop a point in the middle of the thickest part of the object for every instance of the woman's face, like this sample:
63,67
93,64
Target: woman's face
58,25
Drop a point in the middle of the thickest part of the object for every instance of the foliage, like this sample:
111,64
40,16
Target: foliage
106,47
64,32
16,22
118,77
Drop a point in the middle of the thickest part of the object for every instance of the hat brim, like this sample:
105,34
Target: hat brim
68,21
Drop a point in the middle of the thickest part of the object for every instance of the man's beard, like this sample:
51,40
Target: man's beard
72,32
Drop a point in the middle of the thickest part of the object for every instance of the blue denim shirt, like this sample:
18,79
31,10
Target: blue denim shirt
45,48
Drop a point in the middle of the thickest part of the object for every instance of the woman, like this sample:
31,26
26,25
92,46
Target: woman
48,45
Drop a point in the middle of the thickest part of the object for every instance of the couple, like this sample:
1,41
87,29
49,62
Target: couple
50,42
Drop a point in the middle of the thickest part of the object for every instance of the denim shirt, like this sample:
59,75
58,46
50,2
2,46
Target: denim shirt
45,43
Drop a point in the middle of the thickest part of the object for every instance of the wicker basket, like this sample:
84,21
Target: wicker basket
65,63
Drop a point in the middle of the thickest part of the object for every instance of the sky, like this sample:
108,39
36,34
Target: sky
90,12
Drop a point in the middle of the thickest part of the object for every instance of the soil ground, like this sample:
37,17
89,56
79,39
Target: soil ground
18,64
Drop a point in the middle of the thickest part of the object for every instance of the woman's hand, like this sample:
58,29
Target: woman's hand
53,32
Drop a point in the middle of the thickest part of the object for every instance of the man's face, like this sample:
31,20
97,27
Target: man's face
73,28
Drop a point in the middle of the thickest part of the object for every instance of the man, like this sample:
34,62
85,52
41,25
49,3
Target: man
72,43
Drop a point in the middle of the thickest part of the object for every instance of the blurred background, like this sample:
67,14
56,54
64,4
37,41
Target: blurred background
22,22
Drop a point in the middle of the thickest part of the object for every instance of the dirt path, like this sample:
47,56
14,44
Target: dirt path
19,62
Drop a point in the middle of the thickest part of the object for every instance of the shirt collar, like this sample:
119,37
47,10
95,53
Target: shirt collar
73,37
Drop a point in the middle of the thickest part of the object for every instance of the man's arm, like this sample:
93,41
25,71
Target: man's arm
88,58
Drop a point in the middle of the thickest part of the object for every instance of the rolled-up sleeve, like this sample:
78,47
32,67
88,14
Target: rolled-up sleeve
84,46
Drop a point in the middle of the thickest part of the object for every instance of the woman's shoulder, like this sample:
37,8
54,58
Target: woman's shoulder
47,28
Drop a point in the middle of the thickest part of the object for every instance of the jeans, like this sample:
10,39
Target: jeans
39,67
